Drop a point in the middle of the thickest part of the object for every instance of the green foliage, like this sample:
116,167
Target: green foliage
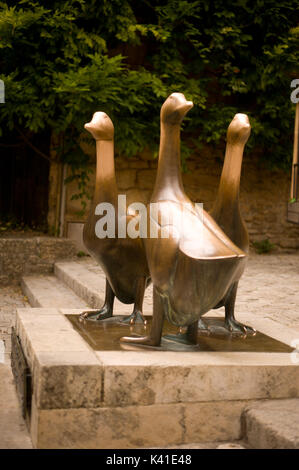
82,254
263,246
62,61
10,224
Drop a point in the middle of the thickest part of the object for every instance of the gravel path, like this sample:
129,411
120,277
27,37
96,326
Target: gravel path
270,287
11,298
13,431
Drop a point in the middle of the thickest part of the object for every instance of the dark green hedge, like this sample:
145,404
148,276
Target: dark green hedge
62,61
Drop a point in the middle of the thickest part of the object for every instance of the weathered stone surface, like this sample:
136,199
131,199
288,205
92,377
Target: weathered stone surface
47,291
21,256
125,179
89,284
106,428
146,179
66,373
13,431
136,427
68,380
273,425
164,378
88,280
11,298
213,420
136,163
269,289
139,378
149,380
46,332
230,445
209,445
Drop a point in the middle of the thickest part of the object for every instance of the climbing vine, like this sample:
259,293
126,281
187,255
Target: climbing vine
62,61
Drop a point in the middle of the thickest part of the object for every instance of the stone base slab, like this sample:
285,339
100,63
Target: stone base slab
135,398
136,426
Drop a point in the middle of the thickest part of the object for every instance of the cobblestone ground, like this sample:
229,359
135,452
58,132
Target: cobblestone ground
13,431
11,298
269,287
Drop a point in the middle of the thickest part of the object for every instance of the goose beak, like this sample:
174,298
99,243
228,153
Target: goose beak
186,106
239,129
242,119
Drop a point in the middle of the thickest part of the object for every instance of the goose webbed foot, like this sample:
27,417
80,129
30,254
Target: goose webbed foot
238,329
234,327
190,336
145,340
203,328
135,317
154,338
97,315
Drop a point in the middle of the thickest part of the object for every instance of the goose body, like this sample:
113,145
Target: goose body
193,267
226,210
123,260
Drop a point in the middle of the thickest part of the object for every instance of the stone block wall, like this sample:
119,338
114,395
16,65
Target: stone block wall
21,256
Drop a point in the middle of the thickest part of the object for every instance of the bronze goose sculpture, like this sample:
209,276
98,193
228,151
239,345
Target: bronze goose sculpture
194,267
122,259
226,209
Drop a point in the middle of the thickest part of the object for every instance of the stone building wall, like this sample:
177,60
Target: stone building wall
263,196
21,256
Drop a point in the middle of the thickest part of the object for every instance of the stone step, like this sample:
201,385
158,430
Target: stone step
48,291
156,397
273,424
88,281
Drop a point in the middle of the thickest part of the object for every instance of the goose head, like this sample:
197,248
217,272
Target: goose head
100,127
239,129
175,108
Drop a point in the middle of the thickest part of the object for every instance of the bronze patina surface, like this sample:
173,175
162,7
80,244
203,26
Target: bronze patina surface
196,267
226,210
105,335
122,259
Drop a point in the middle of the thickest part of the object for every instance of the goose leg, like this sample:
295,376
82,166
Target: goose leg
107,309
154,338
190,337
231,323
137,315
191,333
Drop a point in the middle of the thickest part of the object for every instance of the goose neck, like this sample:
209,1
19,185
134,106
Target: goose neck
231,173
169,185
105,187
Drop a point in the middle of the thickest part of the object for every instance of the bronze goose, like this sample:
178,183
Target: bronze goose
123,259
226,210
193,268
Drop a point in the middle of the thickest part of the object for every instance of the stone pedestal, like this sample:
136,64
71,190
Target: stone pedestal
86,398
